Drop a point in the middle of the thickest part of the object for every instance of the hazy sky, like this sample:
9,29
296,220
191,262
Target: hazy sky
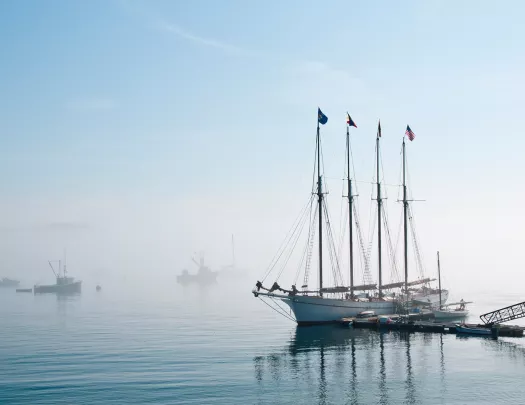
134,133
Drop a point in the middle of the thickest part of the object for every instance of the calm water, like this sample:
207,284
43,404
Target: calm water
210,346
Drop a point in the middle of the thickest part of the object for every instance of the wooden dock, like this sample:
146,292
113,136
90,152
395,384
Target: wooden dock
416,325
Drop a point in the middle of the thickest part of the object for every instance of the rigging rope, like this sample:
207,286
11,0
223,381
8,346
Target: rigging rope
276,310
372,219
305,252
286,240
365,251
419,260
413,227
365,256
399,228
342,237
393,260
297,236
371,234
312,234
308,246
276,301
336,271
342,226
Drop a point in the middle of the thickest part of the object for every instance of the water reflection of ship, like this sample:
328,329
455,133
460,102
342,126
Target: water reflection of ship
360,361
204,274
322,336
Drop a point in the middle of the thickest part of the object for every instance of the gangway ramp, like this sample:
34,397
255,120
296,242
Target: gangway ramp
504,314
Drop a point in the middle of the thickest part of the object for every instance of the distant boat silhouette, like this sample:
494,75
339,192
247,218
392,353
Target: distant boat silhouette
64,284
204,274
7,282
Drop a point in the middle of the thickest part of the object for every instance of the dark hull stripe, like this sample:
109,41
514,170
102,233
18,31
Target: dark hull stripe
313,323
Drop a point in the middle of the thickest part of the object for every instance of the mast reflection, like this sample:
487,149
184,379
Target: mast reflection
354,398
442,367
409,383
330,364
383,393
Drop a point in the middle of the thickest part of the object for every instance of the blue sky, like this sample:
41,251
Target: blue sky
141,117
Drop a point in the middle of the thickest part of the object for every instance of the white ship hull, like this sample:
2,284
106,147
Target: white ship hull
432,299
309,310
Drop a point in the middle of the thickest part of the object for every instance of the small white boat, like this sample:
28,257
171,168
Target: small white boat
446,312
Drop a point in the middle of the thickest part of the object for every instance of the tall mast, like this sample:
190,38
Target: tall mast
350,202
320,202
405,210
379,204
439,278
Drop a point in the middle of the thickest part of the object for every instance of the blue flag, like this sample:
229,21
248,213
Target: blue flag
323,119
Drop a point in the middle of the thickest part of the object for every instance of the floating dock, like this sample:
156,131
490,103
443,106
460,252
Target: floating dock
415,325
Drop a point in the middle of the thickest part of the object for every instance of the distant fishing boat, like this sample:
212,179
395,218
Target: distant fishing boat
64,284
204,275
7,282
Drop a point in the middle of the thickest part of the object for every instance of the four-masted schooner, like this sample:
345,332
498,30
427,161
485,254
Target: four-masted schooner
330,304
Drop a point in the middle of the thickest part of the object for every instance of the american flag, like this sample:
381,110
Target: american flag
379,129
410,134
